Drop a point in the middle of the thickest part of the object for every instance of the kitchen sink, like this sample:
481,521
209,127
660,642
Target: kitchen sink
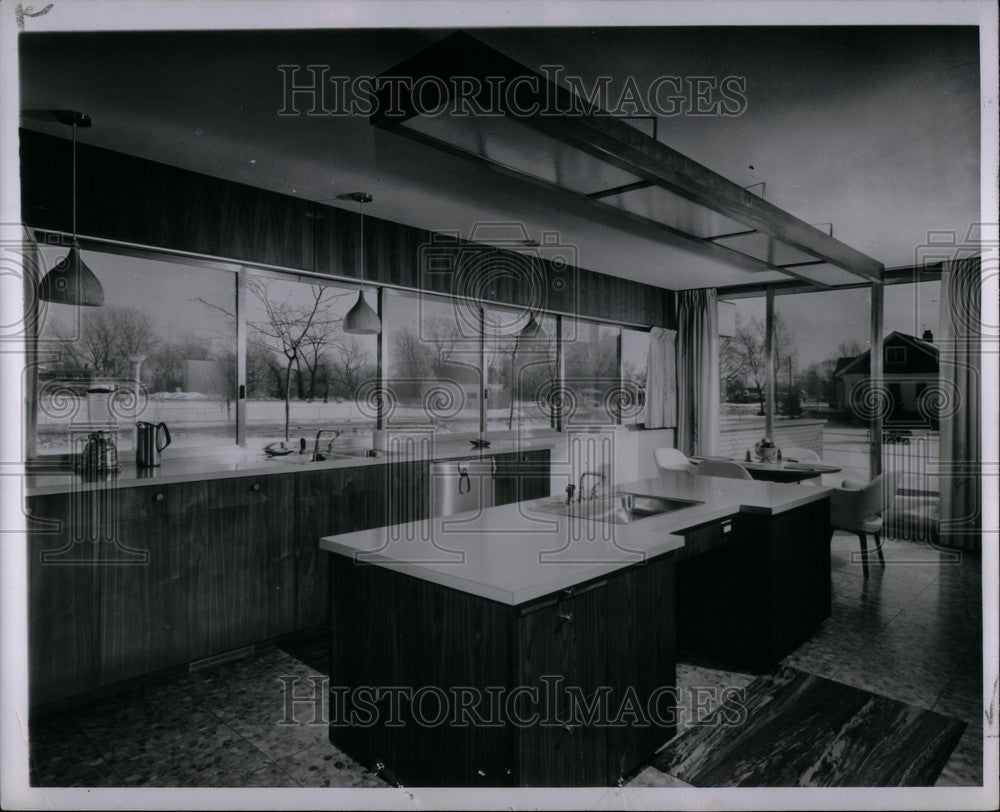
624,508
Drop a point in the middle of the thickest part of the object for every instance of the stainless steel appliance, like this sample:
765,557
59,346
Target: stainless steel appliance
147,443
462,485
99,454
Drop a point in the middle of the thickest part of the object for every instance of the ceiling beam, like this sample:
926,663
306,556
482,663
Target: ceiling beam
555,111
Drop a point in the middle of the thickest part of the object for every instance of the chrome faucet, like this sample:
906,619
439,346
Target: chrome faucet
329,446
593,491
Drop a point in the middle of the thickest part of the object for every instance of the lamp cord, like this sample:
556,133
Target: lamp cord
361,274
74,182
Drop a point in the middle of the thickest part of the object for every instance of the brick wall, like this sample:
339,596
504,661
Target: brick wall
736,438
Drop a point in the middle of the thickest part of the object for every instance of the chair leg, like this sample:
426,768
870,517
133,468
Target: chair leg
864,552
878,547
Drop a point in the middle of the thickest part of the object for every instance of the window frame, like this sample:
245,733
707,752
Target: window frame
242,270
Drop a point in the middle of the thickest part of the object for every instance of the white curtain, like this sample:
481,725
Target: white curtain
697,372
960,458
661,379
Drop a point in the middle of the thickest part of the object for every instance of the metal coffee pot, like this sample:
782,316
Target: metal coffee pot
100,453
148,445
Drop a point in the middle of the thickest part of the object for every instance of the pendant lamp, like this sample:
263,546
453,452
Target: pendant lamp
361,319
532,329
70,281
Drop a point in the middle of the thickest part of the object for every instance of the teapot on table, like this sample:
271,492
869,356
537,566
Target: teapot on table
766,450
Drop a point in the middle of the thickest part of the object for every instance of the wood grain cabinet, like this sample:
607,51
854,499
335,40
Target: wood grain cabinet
608,638
751,595
125,582
522,476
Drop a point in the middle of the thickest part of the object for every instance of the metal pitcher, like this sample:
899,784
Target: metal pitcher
148,445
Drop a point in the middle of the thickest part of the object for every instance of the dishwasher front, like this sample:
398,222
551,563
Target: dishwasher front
458,486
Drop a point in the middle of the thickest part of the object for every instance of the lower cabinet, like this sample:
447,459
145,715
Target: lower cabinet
753,588
547,686
522,476
125,582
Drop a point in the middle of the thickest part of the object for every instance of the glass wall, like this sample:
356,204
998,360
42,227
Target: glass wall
822,341
917,397
162,348
432,362
743,363
592,369
522,373
165,347
302,369
635,351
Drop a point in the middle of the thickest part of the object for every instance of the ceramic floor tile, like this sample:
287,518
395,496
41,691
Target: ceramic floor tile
201,759
62,754
149,736
323,765
271,776
277,736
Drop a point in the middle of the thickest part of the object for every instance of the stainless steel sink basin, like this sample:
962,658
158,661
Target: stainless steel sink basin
624,508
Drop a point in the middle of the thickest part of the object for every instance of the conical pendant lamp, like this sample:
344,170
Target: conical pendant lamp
70,281
361,319
532,330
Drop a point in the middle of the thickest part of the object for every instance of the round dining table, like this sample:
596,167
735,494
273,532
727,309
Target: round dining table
781,471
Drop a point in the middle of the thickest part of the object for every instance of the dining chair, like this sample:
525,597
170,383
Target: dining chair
795,454
859,510
722,468
670,459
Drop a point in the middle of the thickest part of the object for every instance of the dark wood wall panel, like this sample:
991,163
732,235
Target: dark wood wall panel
131,199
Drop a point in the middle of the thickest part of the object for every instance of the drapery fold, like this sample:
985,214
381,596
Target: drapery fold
697,372
661,379
959,405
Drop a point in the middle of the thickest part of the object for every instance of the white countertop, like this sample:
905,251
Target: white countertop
194,469
516,553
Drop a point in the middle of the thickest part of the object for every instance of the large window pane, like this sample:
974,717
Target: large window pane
592,370
910,436
742,364
635,351
303,371
522,373
823,341
162,348
433,362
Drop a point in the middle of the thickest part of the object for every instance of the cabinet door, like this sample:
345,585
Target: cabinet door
63,613
143,611
522,476
564,642
269,533
641,662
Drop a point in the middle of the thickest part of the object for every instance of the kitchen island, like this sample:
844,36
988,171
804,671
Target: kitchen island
520,647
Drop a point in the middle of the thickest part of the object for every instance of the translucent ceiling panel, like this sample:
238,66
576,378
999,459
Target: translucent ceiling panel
757,245
827,274
516,145
663,206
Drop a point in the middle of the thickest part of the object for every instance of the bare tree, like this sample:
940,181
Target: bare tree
108,336
286,327
743,356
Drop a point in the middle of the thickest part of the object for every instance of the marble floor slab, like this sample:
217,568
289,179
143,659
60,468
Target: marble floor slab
800,730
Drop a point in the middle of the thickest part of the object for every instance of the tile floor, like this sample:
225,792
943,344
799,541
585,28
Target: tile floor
911,632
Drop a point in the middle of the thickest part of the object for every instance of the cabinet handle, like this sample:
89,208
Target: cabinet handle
158,497
255,487
567,616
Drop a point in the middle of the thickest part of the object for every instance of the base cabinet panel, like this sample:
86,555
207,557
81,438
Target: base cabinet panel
540,661
753,600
